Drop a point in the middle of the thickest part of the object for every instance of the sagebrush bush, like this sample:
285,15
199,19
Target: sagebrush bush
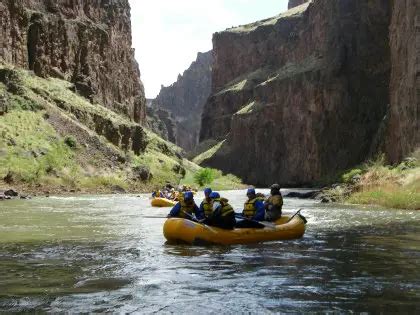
204,176
71,142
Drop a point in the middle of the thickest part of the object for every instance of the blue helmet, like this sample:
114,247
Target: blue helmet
188,196
214,195
250,191
207,191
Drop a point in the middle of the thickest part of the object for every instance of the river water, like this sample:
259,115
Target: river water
101,254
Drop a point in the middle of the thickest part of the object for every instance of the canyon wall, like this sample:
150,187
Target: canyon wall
403,134
295,3
87,42
301,96
184,100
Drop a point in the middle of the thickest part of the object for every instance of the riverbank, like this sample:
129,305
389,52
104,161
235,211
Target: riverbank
54,141
375,183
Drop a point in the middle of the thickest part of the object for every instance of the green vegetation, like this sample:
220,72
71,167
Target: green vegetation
220,182
204,177
380,184
71,142
49,142
30,148
296,11
208,154
349,176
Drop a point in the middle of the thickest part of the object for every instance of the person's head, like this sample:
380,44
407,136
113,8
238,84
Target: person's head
275,189
207,192
188,197
250,193
214,195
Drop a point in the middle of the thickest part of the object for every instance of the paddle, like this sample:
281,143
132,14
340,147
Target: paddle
197,221
265,224
294,216
190,217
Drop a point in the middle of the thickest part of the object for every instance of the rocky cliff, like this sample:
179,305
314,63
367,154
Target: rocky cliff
295,3
404,116
184,100
87,42
301,96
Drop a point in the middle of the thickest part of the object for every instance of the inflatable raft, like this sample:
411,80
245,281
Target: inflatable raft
185,231
162,202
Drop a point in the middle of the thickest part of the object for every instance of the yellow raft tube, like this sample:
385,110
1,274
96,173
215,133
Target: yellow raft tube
179,230
163,202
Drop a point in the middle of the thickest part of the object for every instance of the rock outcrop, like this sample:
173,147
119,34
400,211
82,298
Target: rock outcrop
301,96
184,100
87,42
295,3
404,116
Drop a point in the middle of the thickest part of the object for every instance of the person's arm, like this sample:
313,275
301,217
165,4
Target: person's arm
201,207
199,214
260,213
266,204
175,210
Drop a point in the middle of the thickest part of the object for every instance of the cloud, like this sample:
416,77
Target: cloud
167,34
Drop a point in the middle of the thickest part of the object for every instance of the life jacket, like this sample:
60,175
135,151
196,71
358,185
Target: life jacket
226,207
275,200
208,207
249,207
186,208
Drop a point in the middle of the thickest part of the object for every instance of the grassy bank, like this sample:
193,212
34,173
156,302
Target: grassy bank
54,140
220,181
376,183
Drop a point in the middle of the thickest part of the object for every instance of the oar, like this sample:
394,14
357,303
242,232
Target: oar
294,216
189,216
195,220
265,224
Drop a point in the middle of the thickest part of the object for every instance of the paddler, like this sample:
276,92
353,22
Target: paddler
273,204
206,205
222,214
187,208
253,211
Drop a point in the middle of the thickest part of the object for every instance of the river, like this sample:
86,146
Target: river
101,254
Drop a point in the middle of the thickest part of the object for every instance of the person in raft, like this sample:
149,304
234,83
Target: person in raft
186,208
157,194
253,212
273,204
206,205
222,214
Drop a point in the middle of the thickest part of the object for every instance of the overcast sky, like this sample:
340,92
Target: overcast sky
167,34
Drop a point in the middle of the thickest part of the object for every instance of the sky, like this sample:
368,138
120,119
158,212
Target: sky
168,34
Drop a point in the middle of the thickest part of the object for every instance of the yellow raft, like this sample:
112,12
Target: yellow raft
185,231
162,202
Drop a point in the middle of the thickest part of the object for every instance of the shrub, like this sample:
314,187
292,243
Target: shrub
204,176
349,176
71,142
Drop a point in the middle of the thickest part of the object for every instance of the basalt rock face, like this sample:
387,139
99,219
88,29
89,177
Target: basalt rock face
295,3
301,96
185,99
87,42
404,117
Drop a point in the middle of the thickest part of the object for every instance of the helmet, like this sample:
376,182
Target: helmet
250,191
188,196
214,195
275,187
207,191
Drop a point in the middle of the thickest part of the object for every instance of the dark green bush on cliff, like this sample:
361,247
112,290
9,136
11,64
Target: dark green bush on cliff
71,142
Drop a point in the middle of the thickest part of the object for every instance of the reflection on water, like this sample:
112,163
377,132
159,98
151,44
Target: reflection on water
102,254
